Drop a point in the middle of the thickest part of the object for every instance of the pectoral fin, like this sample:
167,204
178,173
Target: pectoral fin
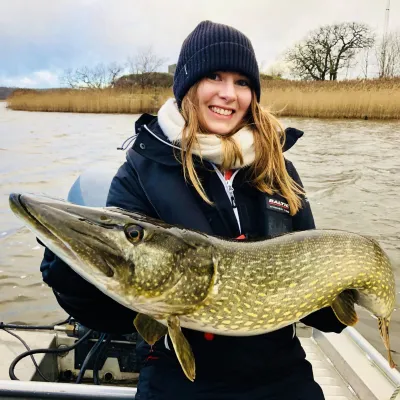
149,328
343,307
383,325
182,347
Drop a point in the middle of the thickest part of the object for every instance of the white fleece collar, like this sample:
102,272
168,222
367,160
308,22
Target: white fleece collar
210,146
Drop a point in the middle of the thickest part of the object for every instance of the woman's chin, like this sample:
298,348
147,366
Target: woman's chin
220,128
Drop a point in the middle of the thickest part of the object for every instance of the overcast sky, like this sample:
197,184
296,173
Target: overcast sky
39,39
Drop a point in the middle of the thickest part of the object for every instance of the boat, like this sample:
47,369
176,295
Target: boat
346,365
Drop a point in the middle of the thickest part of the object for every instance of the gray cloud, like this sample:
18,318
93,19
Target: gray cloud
49,36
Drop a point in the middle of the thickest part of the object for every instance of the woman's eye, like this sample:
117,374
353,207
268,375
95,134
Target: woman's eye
243,82
134,233
213,76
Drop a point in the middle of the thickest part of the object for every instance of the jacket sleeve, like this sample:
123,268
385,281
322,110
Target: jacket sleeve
324,319
80,299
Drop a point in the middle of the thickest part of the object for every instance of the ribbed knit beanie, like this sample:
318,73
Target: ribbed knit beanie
214,47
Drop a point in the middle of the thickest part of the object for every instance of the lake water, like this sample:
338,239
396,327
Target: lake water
351,170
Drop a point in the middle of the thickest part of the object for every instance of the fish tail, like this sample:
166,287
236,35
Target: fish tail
383,325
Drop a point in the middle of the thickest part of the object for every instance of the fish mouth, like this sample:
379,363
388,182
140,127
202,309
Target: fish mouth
20,209
42,213
60,226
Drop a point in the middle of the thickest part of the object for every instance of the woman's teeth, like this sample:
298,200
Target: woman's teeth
221,111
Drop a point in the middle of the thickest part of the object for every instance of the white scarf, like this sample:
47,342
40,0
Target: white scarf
210,146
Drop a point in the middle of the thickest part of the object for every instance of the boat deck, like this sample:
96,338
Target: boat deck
344,365
332,384
11,347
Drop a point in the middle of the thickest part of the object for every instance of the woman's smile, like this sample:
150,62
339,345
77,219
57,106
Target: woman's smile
221,112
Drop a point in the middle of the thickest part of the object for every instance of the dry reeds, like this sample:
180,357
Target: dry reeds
89,101
367,99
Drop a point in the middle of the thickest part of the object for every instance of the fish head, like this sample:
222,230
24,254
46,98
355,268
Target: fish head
143,263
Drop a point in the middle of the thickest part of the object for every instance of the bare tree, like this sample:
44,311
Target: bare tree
365,62
276,70
324,52
387,52
114,71
145,63
68,79
96,77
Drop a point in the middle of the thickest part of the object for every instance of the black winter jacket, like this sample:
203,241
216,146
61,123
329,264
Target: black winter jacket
151,182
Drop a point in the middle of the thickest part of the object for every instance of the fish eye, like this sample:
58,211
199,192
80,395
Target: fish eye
134,233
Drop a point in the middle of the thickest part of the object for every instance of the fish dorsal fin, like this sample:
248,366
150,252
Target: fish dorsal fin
150,329
343,307
182,347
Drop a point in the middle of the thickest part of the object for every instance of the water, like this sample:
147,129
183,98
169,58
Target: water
351,170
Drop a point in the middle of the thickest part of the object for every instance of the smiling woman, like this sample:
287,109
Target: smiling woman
210,161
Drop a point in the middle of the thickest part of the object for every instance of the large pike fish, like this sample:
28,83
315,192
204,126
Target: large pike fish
175,277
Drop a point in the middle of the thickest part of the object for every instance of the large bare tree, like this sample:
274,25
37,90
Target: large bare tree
387,52
144,64
324,52
97,77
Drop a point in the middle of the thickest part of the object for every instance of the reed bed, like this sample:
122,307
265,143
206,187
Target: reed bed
89,101
367,99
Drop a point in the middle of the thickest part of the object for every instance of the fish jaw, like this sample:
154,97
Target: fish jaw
42,215
45,235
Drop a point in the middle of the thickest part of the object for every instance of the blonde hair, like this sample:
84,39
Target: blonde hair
268,171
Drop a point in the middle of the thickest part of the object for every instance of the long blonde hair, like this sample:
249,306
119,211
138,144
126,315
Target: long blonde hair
268,171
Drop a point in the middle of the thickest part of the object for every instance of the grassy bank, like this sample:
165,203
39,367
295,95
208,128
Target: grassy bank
89,101
372,99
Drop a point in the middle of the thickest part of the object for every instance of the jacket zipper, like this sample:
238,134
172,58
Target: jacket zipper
227,183
230,191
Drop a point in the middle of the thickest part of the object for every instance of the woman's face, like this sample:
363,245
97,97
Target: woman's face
224,99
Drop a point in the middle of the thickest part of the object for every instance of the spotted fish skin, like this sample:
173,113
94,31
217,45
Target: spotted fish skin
266,285
181,277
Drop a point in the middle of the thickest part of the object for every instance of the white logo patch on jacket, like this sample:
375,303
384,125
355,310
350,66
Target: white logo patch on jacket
278,205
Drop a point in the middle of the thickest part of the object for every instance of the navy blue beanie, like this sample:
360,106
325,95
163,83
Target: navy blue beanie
214,47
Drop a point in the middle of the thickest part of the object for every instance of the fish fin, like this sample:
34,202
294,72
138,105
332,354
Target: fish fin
150,329
182,347
383,325
343,307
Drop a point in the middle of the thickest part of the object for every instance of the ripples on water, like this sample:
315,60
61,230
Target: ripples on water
351,170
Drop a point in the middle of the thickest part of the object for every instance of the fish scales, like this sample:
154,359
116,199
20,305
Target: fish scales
297,261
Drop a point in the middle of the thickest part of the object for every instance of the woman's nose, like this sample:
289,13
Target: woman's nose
228,91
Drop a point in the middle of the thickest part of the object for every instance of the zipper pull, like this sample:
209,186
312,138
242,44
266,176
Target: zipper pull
231,190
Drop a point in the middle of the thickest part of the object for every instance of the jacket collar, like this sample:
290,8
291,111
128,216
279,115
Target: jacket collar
153,144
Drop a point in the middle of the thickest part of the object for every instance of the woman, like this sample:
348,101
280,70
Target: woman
212,160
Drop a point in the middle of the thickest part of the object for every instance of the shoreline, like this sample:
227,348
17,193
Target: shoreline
358,99
277,114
